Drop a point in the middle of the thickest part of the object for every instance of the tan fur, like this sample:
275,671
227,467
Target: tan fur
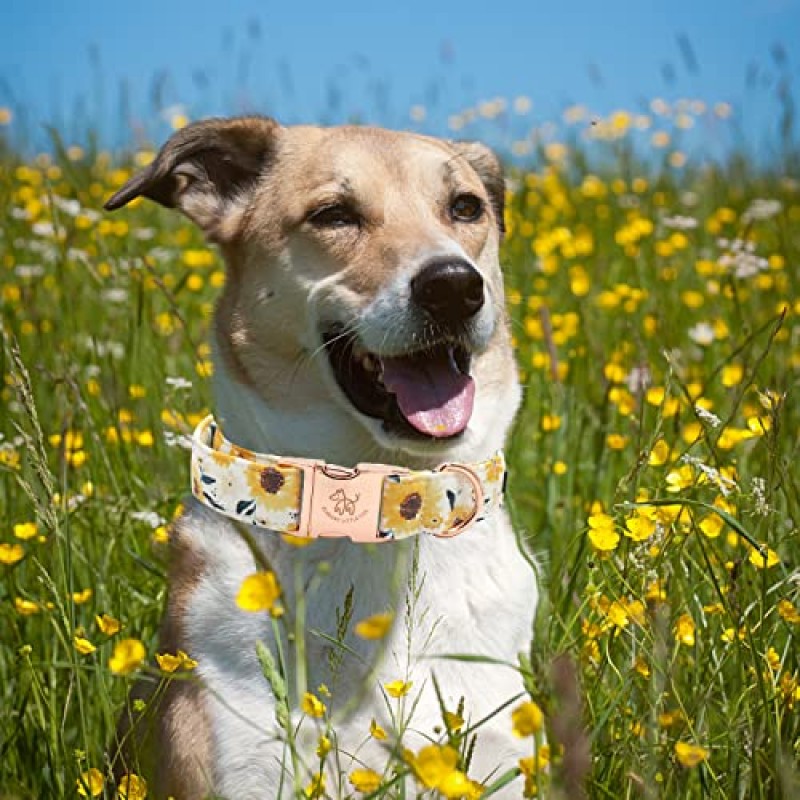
171,737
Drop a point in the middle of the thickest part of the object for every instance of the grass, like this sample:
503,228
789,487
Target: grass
653,466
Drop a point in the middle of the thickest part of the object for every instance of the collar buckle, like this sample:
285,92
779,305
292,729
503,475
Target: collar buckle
340,502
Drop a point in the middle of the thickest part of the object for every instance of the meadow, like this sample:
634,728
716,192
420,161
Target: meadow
656,313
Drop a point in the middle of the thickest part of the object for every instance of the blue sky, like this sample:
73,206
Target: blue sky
65,62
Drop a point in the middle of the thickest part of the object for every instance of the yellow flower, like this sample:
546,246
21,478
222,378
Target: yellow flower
659,454
730,437
433,764
316,788
684,630
788,612
108,625
11,553
258,592
132,787
457,785
526,719
26,608
711,525
83,646
690,755
323,746
601,532
763,558
375,627
365,780
90,784
25,530
732,375
312,706
170,663
454,722
81,597
398,688
376,731
773,659
680,478
616,441
639,527
128,655
161,534
560,468
550,422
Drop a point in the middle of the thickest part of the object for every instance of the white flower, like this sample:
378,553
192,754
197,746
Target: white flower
702,334
29,270
115,295
172,439
760,496
762,209
179,383
680,223
43,228
150,517
638,379
704,414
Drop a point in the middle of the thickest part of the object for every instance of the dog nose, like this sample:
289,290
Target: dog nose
450,290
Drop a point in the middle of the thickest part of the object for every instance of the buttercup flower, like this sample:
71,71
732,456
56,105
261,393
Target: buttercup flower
90,784
312,706
365,780
690,755
128,655
526,719
258,592
398,688
376,626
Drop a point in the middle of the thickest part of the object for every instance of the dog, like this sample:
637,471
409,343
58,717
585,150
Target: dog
362,322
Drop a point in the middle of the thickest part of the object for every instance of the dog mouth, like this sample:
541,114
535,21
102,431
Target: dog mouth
427,392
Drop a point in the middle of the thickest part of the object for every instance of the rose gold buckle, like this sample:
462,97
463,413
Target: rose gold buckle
477,487
340,501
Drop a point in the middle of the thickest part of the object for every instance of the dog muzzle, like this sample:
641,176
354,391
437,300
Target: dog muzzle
367,503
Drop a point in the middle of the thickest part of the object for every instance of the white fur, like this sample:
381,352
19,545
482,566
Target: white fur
477,596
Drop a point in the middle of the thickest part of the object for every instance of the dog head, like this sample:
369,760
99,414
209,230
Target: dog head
363,285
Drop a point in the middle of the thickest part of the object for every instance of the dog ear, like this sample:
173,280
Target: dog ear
490,171
204,168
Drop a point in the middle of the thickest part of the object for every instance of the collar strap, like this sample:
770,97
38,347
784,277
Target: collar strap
368,503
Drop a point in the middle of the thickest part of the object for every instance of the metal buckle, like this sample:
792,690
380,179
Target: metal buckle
477,487
339,501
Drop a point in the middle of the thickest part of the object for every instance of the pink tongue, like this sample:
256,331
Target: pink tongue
433,395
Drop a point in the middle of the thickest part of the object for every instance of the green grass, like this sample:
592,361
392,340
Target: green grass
624,324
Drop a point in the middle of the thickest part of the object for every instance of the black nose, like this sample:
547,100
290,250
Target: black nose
449,290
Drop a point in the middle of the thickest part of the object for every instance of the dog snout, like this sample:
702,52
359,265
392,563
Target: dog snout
449,290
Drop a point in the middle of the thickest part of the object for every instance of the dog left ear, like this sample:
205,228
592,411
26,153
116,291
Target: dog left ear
204,169
490,171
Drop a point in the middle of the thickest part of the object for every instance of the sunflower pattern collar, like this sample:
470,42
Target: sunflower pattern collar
368,503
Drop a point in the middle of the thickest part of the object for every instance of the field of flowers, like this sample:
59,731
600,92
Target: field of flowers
656,313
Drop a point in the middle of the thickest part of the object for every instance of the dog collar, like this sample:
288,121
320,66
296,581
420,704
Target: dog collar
368,503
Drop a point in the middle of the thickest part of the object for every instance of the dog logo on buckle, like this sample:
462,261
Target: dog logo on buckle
344,505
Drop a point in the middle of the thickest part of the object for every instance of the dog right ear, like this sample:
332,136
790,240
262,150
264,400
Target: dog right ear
206,169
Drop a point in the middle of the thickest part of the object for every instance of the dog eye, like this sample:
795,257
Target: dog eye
466,208
337,215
